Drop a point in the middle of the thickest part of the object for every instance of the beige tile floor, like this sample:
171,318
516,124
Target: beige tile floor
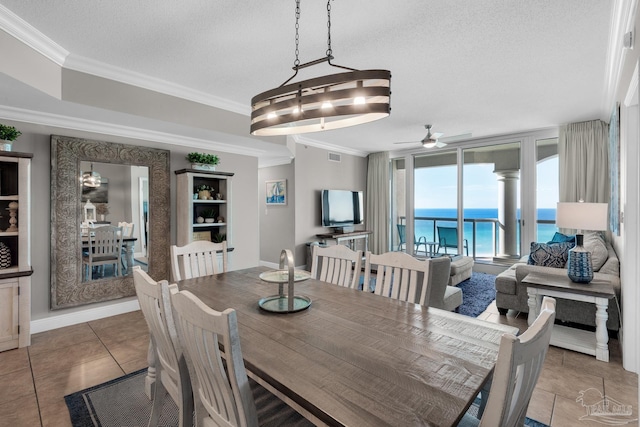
34,380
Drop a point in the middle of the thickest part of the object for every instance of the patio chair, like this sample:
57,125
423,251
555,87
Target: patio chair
197,259
402,233
336,264
448,238
519,364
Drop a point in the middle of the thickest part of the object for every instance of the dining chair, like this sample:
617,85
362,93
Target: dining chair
197,259
518,367
398,276
223,394
336,264
127,232
441,294
104,247
448,238
402,237
172,375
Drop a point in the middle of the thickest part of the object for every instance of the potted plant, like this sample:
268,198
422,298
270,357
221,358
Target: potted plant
202,161
209,215
8,134
218,238
204,191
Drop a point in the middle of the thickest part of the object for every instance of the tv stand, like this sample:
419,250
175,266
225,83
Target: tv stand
343,230
348,239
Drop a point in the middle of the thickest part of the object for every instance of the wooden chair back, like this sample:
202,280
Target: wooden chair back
519,364
222,396
399,276
127,228
104,246
171,373
197,259
336,264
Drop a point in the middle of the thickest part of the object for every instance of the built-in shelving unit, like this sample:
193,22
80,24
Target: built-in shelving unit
190,206
15,225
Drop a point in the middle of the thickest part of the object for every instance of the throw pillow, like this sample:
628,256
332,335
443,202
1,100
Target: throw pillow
561,238
554,255
594,243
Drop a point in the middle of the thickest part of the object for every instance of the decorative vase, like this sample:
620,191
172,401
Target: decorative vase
204,194
203,167
5,256
5,145
209,219
199,220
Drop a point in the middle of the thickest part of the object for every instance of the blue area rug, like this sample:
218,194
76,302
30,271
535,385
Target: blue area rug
528,422
477,293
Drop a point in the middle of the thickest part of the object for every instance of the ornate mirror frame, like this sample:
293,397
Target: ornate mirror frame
67,288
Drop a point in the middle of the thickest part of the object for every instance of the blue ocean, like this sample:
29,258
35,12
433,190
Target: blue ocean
485,231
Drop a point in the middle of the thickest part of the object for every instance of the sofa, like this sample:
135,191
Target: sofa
512,294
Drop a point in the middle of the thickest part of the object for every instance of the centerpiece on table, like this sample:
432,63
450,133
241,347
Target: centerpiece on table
202,161
8,134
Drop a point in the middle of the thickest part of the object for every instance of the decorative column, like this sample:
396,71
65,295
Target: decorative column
507,212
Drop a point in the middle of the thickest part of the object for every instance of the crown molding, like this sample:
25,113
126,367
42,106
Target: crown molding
329,147
112,72
622,21
17,27
267,162
85,125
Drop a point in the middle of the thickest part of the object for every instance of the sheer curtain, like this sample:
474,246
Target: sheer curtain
583,151
377,212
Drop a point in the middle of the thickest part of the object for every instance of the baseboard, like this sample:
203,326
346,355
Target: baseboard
69,319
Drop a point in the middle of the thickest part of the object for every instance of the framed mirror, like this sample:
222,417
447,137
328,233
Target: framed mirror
67,287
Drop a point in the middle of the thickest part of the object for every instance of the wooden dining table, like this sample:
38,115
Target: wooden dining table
354,358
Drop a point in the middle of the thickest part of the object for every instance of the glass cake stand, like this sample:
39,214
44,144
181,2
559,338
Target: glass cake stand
285,303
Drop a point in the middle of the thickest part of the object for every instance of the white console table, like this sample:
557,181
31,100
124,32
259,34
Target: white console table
348,239
597,292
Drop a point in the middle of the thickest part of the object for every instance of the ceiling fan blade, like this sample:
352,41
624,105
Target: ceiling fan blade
440,144
453,138
408,142
436,135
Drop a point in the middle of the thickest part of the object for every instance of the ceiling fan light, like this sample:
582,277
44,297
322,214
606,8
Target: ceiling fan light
429,144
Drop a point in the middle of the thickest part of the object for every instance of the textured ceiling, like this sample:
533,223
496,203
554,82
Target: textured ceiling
483,66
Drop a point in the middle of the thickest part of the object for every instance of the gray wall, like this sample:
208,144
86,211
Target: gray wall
36,139
310,172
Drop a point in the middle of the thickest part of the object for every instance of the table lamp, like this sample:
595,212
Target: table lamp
581,216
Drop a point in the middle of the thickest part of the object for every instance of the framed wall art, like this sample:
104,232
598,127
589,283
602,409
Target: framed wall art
276,192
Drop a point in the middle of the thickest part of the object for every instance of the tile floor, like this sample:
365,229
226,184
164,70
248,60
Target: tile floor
34,380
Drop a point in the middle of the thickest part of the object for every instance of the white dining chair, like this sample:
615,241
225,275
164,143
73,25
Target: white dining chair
197,259
519,364
398,276
172,375
127,232
223,394
104,248
336,264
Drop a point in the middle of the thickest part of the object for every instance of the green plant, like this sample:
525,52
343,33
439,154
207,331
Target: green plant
205,159
204,187
219,238
208,213
9,133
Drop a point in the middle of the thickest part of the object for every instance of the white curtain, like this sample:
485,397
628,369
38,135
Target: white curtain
583,151
377,212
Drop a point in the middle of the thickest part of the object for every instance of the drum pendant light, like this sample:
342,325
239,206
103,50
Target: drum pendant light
322,103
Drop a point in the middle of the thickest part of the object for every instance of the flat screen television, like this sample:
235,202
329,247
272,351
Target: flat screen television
342,208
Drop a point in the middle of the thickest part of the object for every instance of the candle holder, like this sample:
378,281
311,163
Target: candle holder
13,221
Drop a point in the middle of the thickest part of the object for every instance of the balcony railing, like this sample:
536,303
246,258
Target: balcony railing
472,227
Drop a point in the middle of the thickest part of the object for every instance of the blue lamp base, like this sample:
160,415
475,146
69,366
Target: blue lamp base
579,267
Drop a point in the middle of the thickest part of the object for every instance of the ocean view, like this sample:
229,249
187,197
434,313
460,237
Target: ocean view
484,230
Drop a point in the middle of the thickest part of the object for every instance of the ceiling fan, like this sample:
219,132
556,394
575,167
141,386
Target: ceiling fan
429,141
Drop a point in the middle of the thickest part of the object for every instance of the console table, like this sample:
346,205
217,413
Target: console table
348,239
597,292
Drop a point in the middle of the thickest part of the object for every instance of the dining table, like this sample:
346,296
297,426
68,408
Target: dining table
353,358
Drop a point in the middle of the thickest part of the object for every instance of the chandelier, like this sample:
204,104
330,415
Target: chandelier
323,103
91,179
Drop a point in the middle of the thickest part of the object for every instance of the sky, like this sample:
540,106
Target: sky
436,187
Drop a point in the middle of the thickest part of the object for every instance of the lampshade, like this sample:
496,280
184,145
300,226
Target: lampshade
91,179
323,103
582,216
